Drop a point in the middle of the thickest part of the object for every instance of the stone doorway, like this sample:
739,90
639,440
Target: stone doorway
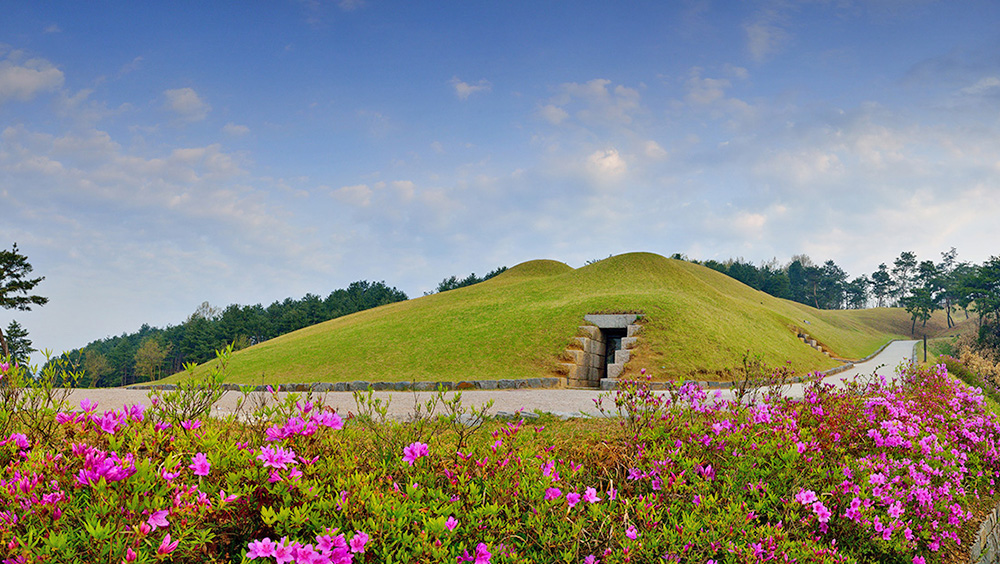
599,354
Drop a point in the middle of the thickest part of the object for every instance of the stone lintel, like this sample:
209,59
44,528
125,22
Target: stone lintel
611,321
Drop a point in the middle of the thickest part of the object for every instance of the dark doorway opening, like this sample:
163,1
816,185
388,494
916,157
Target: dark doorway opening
612,342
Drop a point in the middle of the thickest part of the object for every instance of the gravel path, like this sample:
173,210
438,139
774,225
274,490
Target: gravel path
557,401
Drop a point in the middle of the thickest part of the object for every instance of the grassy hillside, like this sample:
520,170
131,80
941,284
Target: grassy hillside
698,323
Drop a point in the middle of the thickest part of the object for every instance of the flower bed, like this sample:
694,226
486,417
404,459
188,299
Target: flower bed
871,473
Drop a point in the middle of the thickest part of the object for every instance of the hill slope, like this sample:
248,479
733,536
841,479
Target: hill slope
698,322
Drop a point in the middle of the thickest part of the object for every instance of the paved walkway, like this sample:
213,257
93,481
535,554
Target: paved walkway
557,401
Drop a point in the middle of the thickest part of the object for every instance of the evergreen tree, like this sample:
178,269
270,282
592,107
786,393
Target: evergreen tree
18,343
15,286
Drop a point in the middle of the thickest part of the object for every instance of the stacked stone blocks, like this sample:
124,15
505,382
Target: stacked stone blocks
585,362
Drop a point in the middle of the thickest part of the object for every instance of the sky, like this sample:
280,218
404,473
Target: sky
156,155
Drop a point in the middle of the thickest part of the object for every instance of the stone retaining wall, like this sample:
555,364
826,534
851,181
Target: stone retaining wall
986,549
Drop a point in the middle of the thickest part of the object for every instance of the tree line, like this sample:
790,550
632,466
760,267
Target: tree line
152,353
919,286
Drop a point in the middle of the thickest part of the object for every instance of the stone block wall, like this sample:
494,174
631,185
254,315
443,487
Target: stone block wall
584,364
986,549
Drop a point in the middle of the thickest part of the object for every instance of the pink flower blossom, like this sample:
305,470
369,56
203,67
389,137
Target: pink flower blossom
822,513
166,547
358,542
590,496
276,457
451,523
552,493
87,405
572,498
632,532
158,519
414,451
200,465
806,497
191,424
283,552
482,555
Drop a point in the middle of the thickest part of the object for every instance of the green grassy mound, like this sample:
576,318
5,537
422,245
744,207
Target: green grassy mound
697,324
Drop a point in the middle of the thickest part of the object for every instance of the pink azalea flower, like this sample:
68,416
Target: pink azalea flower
590,496
482,554
191,424
109,423
284,552
130,555
331,420
552,493
358,542
822,513
632,532
166,547
414,451
276,457
572,498
200,464
451,523
806,497
158,519
87,405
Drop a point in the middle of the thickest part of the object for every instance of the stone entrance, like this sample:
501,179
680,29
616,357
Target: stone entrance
601,350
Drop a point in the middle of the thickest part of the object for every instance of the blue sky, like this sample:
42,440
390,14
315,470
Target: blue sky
155,156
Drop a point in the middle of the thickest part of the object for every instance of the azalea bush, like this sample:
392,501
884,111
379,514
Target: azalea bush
874,472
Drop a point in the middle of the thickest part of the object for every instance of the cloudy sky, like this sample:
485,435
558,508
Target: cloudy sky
155,156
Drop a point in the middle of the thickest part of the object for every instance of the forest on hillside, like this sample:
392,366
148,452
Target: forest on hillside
920,286
152,353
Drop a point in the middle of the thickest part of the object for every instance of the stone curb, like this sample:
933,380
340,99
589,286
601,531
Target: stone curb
362,385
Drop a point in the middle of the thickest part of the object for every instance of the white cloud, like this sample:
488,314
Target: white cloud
186,103
130,67
987,85
607,164
403,190
553,114
806,168
595,103
235,130
463,89
355,195
53,28
764,39
653,150
23,81
705,91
